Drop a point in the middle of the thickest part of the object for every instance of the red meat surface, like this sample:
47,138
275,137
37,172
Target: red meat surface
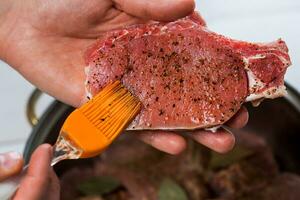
186,76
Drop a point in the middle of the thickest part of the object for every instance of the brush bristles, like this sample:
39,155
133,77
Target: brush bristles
112,109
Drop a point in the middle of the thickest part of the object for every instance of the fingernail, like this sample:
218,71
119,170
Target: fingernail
49,148
9,160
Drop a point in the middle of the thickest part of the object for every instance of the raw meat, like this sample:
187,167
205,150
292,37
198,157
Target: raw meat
186,76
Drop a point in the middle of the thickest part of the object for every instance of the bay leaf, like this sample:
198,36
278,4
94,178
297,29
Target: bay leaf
224,160
170,190
98,185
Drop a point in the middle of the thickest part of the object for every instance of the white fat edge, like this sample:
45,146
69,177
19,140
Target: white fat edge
87,92
246,59
254,81
285,61
134,127
213,129
125,33
164,30
279,92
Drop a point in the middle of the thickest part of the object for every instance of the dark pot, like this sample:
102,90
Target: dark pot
276,120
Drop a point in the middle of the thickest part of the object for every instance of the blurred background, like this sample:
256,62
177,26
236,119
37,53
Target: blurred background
255,20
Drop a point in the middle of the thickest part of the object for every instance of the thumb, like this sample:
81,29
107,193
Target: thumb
10,164
160,10
35,184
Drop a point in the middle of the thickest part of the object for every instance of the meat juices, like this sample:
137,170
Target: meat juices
186,76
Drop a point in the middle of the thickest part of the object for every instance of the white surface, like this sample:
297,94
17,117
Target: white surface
15,92
255,20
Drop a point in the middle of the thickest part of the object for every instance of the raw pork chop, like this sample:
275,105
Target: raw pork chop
186,76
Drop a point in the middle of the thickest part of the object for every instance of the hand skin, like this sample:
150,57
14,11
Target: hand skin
40,182
44,40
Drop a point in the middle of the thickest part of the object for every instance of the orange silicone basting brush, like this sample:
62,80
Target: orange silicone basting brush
89,129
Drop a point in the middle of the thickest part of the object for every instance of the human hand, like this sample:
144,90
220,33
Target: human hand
40,182
45,40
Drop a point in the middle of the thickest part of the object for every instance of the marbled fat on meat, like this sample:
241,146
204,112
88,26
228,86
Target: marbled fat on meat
186,76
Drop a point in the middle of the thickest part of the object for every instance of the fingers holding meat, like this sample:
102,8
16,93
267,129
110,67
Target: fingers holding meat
168,142
161,10
240,119
221,141
10,164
